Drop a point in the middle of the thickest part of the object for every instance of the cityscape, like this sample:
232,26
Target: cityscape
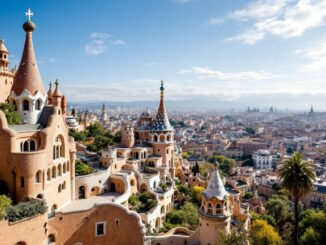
168,151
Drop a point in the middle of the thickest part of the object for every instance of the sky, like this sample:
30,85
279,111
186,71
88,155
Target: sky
119,50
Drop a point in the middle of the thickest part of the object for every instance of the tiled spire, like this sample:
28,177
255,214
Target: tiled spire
28,76
215,186
161,121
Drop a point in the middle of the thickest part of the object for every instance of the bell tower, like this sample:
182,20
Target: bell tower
127,136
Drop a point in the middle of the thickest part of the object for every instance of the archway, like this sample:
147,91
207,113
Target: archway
81,192
51,239
112,187
143,187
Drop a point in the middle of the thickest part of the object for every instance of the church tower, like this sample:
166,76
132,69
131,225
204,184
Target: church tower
162,135
6,75
215,211
28,92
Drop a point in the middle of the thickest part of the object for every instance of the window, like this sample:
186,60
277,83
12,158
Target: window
51,239
100,228
22,182
54,172
26,105
48,174
32,146
117,222
64,185
59,188
38,176
38,105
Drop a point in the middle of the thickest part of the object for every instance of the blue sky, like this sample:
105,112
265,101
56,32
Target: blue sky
119,50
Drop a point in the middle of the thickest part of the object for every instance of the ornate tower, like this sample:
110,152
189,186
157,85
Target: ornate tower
28,92
127,136
215,211
162,135
6,76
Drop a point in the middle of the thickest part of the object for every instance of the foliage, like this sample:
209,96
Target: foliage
310,236
278,207
184,189
146,201
12,116
186,216
248,195
133,200
26,209
250,131
297,177
195,169
313,226
78,136
237,236
205,168
5,202
225,164
262,233
82,168
185,155
196,193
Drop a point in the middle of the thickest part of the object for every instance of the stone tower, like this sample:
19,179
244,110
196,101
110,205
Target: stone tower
162,135
215,211
127,136
6,75
28,92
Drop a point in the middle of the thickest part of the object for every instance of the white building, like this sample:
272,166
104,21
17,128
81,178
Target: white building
262,159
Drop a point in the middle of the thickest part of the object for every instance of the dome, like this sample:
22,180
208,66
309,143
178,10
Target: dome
29,26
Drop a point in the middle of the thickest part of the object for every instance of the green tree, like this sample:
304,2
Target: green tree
262,233
225,164
195,169
310,236
236,237
82,168
5,202
196,193
185,155
315,220
298,177
250,131
278,207
12,116
94,130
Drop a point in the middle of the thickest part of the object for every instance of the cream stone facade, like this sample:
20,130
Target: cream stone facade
37,161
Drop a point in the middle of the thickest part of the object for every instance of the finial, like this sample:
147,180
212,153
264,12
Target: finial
56,92
50,84
162,86
29,14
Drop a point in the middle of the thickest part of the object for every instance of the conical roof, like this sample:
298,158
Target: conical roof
3,47
28,76
161,121
215,186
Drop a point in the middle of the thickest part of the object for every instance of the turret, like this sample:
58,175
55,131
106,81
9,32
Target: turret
127,136
28,92
6,76
215,211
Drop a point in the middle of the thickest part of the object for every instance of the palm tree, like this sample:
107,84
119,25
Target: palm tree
298,177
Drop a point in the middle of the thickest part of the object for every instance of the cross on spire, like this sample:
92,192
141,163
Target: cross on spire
29,14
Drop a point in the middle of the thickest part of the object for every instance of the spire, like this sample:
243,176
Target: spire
50,93
215,186
3,48
161,121
56,92
28,76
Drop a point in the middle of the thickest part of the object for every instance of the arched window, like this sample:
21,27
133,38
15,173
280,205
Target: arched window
155,138
38,176
59,170
132,182
64,185
38,105
59,150
26,105
210,208
32,145
59,188
68,166
81,192
168,138
48,174
26,148
162,138
54,172
64,167
51,239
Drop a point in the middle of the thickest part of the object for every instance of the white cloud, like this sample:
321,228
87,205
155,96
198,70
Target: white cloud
215,22
205,72
282,18
118,42
99,42
316,56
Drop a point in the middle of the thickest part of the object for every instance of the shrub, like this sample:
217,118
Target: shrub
5,202
133,200
82,168
26,209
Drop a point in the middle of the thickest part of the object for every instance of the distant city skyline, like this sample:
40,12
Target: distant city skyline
250,52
